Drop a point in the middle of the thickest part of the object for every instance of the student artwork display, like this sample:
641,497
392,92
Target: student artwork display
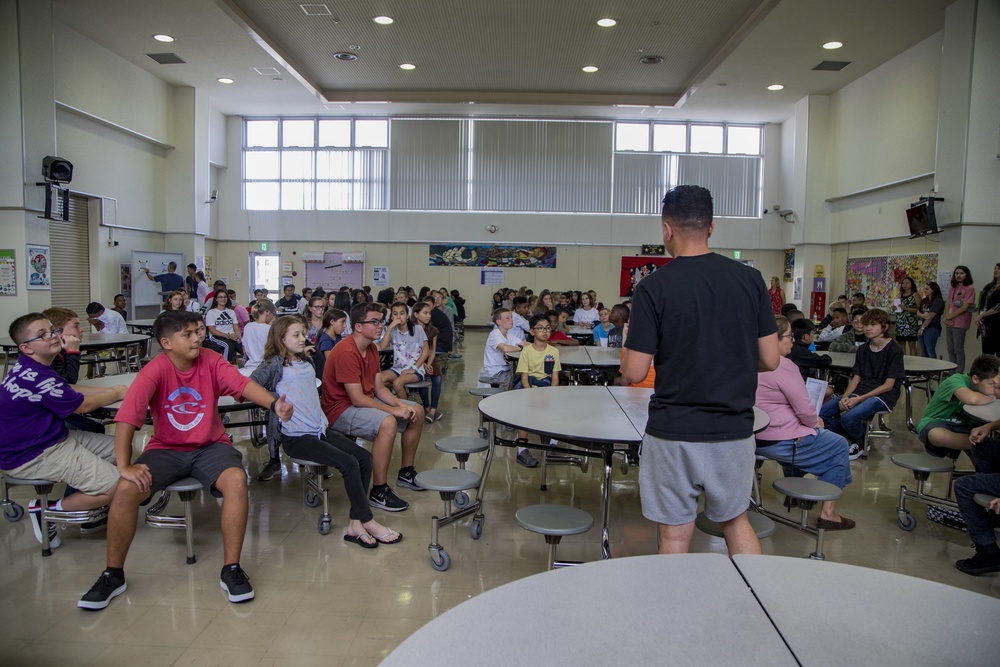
125,283
635,269
8,273
39,270
789,265
539,257
878,278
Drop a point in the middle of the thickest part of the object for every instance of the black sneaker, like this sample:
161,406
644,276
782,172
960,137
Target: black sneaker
384,498
408,477
92,527
35,512
979,564
855,452
268,472
236,583
107,588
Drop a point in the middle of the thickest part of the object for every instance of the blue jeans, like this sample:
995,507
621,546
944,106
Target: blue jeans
533,382
986,456
850,424
435,392
824,454
928,342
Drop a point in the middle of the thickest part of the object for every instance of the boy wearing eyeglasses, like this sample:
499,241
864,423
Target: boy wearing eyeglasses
538,366
358,405
35,442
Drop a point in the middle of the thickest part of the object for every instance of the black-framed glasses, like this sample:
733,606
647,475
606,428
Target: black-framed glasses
543,329
377,323
45,335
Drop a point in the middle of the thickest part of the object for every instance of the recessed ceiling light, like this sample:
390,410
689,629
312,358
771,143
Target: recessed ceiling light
163,38
775,86
225,79
384,20
833,45
407,66
589,69
607,23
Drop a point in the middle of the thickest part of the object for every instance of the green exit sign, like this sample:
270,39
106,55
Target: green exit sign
263,247
737,254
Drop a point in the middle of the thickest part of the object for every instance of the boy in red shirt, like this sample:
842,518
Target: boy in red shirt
181,389
558,337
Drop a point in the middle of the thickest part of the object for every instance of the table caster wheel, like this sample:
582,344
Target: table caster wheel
444,563
324,526
13,512
906,521
476,529
461,500
311,499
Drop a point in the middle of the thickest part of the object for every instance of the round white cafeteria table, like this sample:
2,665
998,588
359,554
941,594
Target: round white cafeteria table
986,413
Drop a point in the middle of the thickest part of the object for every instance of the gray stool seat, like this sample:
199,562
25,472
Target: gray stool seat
186,484
761,525
22,481
923,462
304,462
483,392
422,384
186,488
447,480
984,499
806,489
554,519
461,444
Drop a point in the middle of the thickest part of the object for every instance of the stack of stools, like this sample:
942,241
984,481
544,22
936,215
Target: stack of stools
554,521
186,489
875,427
483,392
808,492
461,446
312,485
43,488
922,466
449,482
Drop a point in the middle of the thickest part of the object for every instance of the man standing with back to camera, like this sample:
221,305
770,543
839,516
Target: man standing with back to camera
706,323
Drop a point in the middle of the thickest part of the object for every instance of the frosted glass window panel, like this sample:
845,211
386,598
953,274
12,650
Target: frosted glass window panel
261,196
430,165
670,138
262,134
743,140
638,183
371,133
369,180
261,165
296,196
706,138
333,196
631,136
333,165
298,133
297,165
335,133
734,182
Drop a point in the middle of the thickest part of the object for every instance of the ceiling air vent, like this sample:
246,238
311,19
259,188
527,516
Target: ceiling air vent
651,60
832,65
345,56
166,58
315,10
267,71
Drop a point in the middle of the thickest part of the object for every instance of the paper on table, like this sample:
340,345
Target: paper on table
817,391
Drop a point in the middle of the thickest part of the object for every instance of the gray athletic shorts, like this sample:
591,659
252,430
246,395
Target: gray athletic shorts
673,474
204,464
950,426
364,423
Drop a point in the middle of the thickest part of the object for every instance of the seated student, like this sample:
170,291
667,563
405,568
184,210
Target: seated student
603,327
794,315
836,326
288,304
35,442
787,308
944,428
841,302
334,325
618,318
180,388
874,386
174,301
119,306
858,300
442,322
224,334
66,363
242,313
520,315
496,369
288,371
985,453
432,370
558,319
358,405
410,351
538,366
648,382
854,338
803,333
795,436
255,334
565,303
209,300
105,321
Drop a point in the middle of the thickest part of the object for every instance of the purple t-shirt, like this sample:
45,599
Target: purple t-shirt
34,404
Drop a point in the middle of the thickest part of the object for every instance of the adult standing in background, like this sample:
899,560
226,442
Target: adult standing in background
932,306
777,296
191,281
907,323
202,290
988,315
699,437
958,314
169,281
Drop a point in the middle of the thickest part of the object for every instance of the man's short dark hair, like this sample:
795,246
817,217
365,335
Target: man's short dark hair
538,319
18,329
623,308
787,308
802,328
284,287
859,294
985,366
840,309
359,313
192,265
172,265
93,308
688,207
858,310
794,315
119,295
170,322
519,301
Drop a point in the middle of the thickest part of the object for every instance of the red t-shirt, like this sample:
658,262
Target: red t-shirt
184,406
558,335
345,365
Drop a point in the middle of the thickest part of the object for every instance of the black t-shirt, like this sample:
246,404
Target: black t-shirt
875,367
615,336
701,318
284,306
445,331
806,360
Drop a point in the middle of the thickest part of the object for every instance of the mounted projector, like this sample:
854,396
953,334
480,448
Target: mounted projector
56,170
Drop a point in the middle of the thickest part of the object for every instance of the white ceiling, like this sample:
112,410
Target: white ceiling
516,57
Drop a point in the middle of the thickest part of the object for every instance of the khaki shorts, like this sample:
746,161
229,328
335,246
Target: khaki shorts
83,460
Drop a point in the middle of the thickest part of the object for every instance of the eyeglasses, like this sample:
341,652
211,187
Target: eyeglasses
45,335
787,335
543,329
374,323
317,306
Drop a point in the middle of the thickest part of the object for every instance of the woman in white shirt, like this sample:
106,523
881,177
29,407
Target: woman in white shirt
586,314
223,331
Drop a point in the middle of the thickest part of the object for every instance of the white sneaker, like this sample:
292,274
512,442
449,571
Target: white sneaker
854,453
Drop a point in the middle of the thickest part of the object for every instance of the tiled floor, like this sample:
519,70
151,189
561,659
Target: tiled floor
323,601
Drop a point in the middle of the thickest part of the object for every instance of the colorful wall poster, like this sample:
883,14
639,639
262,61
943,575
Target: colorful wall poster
125,282
789,265
39,268
8,273
878,278
635,269
510,256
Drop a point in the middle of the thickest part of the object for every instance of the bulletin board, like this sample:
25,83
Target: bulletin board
333,272
878,278
146,292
